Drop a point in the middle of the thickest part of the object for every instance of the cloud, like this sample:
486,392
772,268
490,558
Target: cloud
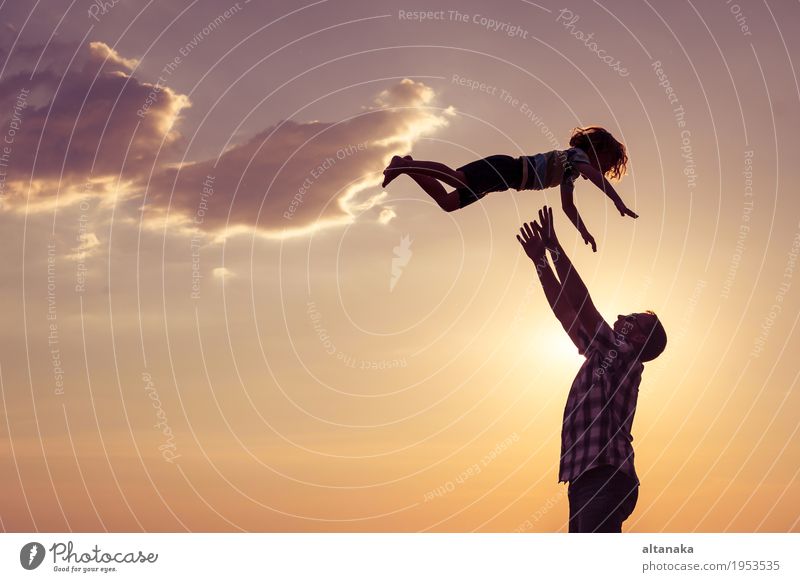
100,132
100,54
88,245
407,93
293,178
221,273
83,127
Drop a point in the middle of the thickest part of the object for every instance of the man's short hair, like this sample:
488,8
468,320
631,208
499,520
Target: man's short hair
656,341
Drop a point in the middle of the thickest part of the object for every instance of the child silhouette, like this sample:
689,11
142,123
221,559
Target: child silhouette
593,154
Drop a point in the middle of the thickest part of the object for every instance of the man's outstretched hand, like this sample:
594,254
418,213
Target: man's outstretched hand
547,230
530,240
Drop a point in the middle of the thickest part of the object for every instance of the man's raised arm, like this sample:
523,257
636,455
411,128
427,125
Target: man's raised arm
531,241
572,286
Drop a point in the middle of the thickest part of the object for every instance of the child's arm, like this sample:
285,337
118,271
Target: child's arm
596,178
568,205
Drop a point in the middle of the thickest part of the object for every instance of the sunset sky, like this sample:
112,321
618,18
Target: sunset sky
215,319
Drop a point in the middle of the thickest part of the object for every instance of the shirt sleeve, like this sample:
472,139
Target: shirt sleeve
601,338
574,156
577,155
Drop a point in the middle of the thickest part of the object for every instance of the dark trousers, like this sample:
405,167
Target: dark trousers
600,500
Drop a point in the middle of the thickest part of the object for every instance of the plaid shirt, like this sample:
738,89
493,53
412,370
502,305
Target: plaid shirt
600,406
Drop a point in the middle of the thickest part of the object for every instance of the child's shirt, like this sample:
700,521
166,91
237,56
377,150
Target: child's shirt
550,169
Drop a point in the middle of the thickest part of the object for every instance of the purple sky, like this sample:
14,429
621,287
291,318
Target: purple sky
230,273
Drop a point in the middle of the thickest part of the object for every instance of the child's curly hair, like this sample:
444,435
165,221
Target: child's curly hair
594,140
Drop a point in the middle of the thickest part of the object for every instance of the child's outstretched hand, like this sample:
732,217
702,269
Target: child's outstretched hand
625,211
589,240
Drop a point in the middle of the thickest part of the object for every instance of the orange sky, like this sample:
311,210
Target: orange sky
203,327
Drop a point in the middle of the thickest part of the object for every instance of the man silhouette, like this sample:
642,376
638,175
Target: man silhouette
596,449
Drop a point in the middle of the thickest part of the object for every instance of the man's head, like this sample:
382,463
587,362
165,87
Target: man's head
644,331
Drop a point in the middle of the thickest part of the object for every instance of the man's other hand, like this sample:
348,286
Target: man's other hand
530,240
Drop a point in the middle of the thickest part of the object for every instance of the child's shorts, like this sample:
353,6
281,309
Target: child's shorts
493,174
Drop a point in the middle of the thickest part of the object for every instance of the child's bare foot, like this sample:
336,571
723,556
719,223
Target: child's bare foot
392,170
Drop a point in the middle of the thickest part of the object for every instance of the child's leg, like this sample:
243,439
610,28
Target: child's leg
448,201
435,170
